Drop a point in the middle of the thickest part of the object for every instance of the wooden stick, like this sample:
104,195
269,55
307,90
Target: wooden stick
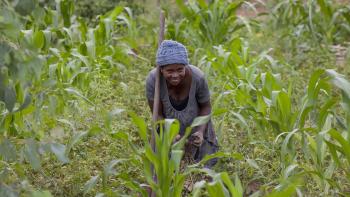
156,100
157,86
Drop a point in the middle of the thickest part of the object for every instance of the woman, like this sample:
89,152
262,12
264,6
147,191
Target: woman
184,95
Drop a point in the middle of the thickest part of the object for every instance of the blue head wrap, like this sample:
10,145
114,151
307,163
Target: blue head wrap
171,52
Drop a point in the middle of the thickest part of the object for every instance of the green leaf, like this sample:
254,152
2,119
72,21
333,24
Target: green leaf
94,130
333,151
340,81
200,120
238,185
253,164
176,156
41,194
39,39
240,117
25,7
206,158
10,98
66,8
59,150
115,12
7,191
31,154
109,168
8,150
74,140
26,102
140,123
325,8
237,192
288,191
345,145
286,141
78,94
90,184
324,112
288,171
216,189
172,128
198,186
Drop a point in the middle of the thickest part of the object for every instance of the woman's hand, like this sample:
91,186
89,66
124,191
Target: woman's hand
177,138
197,138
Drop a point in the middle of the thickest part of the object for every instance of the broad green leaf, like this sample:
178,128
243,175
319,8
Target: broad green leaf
41,194
325,8
312,90
25,7
233,190
253,164
216,189
91,184
240,117
10,98
67,122
200,120
74,140
8,150
109,168
288,191
198,186
7,191
94,130
26,102
345,145
324,112
172,128
333,151
219,154
238,185
100,195
286,141
115,12
59,150
120,135
142,127
66,9
78,94
176,156
31,154
82,58
39,39
340,81
288,171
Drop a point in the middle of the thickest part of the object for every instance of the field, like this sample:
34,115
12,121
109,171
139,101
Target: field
74,118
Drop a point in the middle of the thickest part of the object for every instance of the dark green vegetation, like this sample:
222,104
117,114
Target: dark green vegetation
74,119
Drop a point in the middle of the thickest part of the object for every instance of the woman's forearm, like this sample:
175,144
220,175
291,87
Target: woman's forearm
204,109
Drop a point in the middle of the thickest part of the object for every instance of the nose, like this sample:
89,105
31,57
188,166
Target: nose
174,75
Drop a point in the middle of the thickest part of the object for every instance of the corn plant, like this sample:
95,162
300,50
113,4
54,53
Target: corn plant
168,178
214,22
167,158
47,58
318,20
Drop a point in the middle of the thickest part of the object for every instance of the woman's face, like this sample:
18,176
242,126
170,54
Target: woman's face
174,73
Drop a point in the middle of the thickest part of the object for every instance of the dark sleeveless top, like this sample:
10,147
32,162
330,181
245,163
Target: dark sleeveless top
179,105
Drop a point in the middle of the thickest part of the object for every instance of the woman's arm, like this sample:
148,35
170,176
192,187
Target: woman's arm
204,109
